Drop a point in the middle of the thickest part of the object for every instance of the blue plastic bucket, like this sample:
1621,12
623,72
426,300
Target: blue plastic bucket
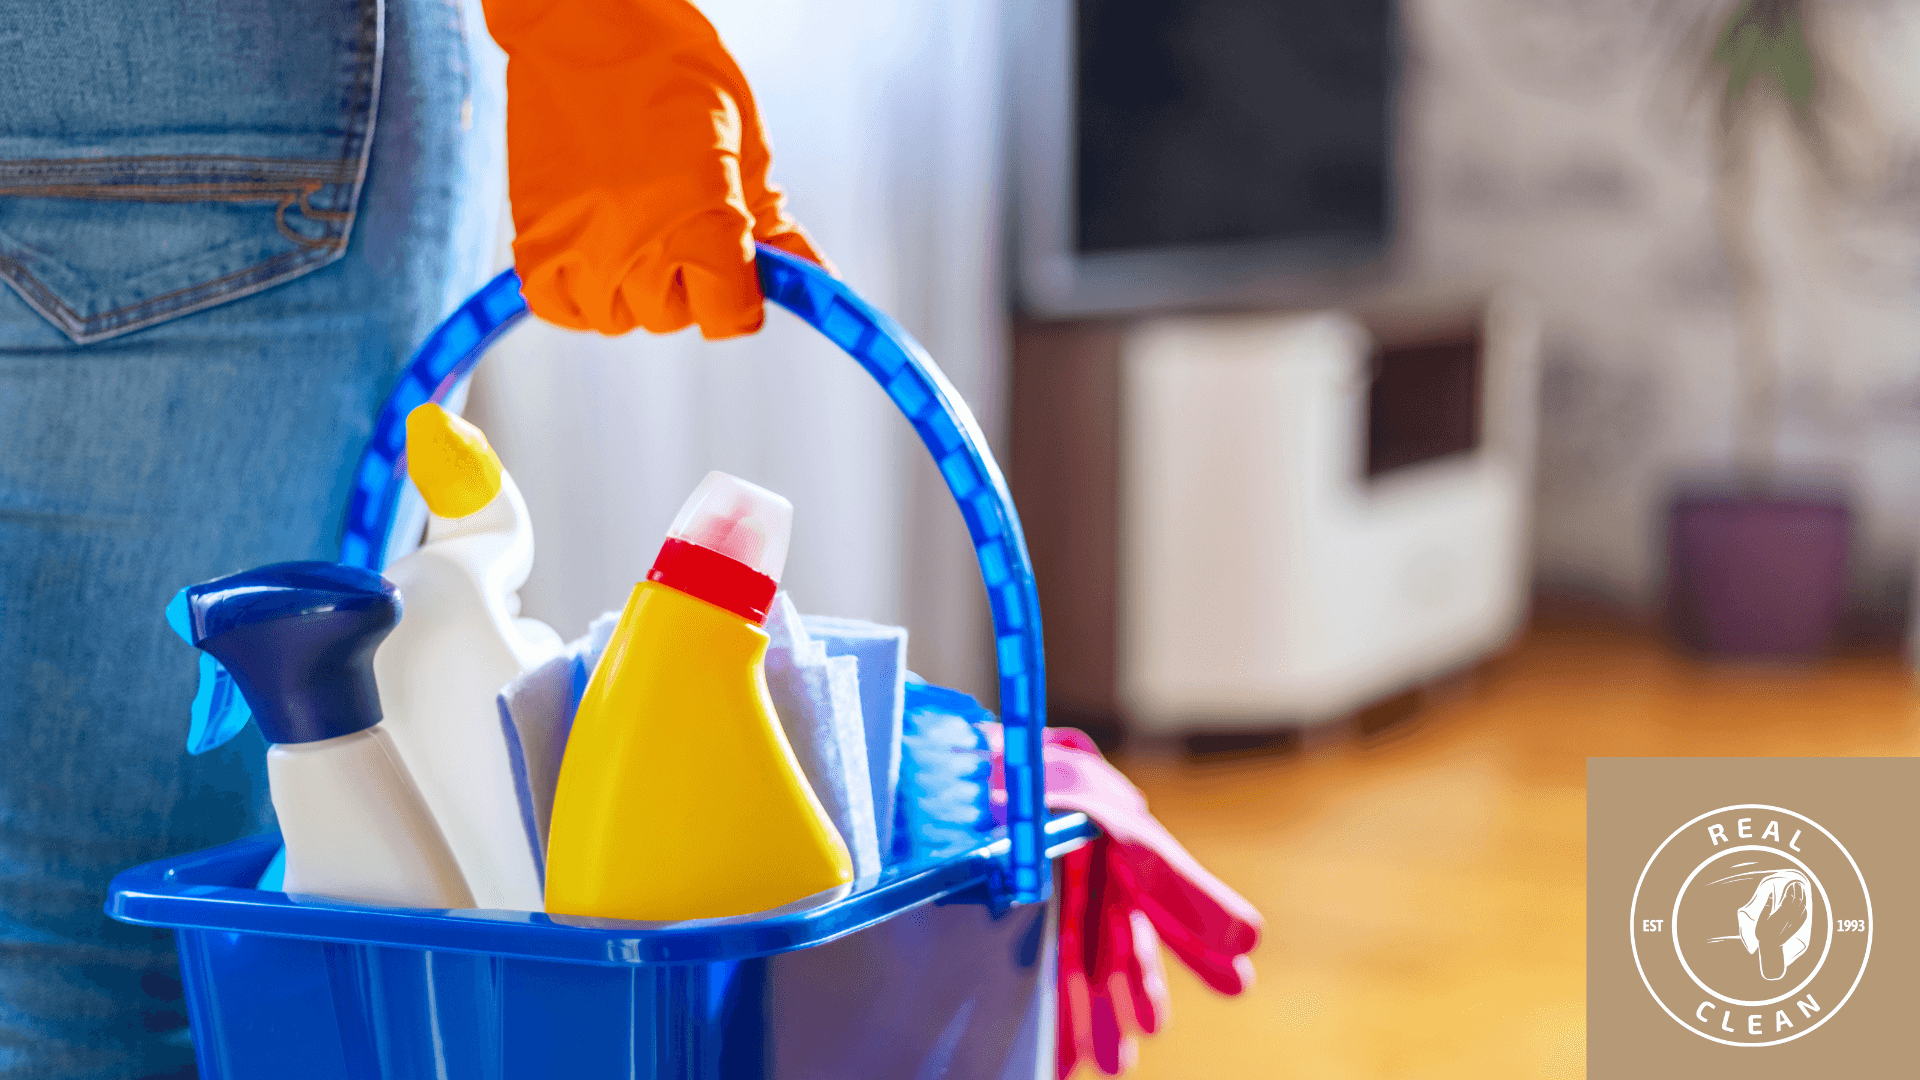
933,969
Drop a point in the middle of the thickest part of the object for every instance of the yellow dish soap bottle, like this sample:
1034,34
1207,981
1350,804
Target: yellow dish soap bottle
679,797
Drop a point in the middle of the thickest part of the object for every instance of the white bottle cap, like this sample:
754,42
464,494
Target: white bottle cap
745,522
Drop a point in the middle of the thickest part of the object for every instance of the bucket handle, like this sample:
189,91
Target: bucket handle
921,392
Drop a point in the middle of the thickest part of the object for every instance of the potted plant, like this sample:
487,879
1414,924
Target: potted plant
1758,566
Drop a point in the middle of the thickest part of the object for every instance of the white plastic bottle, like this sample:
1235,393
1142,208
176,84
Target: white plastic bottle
299,640
459,642
356,826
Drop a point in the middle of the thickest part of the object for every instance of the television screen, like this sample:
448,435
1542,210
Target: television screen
1215,122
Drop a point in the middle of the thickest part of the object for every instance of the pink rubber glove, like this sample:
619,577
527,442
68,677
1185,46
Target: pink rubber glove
1208,926
1109,986
1071,999
1121,896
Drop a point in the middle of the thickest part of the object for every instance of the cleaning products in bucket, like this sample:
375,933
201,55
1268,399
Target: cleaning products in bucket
459,642
679,796
299,640
939,968
817,696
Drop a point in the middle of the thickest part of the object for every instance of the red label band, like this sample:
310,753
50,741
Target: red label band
713,577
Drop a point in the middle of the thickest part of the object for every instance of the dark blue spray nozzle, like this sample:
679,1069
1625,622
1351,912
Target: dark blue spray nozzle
219,712
298,641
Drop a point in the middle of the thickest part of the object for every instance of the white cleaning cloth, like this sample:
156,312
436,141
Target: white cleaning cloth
1771,893
536,715
882,655
817,697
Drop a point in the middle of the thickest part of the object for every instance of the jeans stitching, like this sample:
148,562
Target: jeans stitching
280,222
286,182
248,191
22,174
311,253
361,120
265,273
307,209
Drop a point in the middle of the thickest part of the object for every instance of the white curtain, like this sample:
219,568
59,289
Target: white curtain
884,116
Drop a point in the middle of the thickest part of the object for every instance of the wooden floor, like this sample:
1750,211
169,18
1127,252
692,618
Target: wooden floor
1424,888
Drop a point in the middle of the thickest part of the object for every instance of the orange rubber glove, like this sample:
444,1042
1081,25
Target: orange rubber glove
637,167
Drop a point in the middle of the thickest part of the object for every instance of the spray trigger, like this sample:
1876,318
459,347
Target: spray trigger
219,709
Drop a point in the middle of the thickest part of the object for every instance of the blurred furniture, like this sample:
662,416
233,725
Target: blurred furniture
1202,152
1758,573
1251,521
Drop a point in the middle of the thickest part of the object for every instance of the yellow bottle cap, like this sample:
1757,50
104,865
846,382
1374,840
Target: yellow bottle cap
450,462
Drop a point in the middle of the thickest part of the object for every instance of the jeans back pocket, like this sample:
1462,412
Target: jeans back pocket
159,159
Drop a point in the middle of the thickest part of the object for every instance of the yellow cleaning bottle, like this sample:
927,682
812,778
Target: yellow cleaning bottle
679,797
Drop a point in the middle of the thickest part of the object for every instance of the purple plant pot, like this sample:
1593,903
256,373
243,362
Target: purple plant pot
1758,576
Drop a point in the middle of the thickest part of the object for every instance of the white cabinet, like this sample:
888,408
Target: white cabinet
1266,577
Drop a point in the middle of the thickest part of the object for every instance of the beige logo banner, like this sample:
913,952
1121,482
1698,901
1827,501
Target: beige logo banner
1751,916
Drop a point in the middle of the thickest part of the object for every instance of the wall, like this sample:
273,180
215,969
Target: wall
1562,145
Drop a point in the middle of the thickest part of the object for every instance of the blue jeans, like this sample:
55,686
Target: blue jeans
225,224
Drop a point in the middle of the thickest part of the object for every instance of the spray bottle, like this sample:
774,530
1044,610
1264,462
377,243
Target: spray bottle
460,641
298,640
679,795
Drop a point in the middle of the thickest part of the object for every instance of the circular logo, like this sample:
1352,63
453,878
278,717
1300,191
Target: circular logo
1751,925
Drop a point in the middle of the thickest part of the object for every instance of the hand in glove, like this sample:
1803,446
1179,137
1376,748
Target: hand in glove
1780,919
638,168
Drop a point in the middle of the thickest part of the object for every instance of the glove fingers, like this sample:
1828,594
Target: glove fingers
1227,973
1111,926
1184,899
1134,986
1173,887
1074,869
1221,967
1181,896
765,201
580,268
712,256
1076,1039
1146,977
723,299
794,240
1072,1033
1112,1049
551,295
658,254
1124,970
1187,933
1128,960
1066,1050
558,268
652,297
1107,903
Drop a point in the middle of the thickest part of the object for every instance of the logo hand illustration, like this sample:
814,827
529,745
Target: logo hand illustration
1780,919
